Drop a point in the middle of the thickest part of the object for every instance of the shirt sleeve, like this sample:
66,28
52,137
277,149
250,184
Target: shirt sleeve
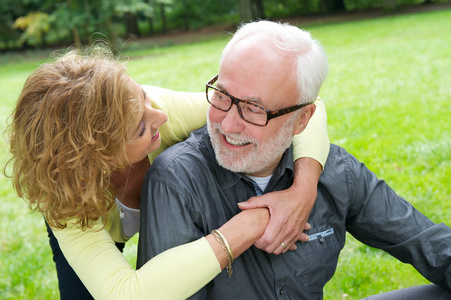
381,219
313,142
174,274
168,223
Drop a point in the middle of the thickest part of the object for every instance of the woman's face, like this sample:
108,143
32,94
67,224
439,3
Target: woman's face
146,135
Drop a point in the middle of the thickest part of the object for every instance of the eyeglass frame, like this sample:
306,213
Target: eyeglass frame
270,114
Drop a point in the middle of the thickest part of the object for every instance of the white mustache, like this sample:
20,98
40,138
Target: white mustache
235,138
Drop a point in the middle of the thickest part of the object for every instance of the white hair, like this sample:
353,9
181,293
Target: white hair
310,58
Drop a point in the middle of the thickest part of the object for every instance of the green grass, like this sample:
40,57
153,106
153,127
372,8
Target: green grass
387,99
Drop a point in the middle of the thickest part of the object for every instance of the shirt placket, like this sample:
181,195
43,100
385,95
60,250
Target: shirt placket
278,264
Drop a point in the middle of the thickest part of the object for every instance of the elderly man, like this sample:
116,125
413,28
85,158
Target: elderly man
269,76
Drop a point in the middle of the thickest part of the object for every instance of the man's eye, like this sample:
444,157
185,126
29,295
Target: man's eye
221,97
251,109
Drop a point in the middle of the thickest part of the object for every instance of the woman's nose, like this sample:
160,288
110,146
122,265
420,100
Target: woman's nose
158,118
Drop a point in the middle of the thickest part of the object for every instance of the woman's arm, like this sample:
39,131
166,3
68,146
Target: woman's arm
174,274
289,211
186,113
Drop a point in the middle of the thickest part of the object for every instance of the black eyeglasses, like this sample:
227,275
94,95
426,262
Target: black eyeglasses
249,111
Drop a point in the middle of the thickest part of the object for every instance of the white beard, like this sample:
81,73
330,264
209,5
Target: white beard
256,159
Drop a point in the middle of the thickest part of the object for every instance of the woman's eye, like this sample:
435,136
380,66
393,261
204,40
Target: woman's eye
142,129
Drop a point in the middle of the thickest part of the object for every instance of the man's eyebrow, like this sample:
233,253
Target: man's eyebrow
256,100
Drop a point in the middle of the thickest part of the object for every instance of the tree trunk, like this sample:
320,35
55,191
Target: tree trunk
339,5
163,18
306,7
75,33
131,24
259,9
389,5
186,14
326,6
88,13
245,10
111,33
151,27
76,37
151,19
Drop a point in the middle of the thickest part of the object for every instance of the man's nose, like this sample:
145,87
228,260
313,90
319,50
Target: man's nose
232,122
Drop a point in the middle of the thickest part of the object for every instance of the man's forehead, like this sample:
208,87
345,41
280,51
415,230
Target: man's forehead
270,91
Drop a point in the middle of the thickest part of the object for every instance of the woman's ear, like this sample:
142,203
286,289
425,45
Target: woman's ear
302,121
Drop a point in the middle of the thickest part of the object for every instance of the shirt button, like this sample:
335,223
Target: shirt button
281,292
321,240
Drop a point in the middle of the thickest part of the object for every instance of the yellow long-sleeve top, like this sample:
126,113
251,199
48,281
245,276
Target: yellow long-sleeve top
181,271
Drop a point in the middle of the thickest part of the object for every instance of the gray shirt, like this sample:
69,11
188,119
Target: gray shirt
186,195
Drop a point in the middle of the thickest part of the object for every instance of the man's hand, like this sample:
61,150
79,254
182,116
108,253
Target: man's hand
289,209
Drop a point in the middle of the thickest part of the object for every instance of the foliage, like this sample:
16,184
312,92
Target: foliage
133,7
387,100
74,21
34,26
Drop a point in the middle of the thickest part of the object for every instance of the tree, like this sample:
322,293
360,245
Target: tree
151,17
34,26
259,9
161,4
389,5
245,10
326,6
339,5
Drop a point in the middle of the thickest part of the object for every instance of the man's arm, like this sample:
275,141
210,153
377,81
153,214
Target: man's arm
380,218
166,222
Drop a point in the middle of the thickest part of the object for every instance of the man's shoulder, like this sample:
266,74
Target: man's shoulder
186,155
340,162
337,155
342,166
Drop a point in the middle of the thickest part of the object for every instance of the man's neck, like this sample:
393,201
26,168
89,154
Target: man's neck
267,171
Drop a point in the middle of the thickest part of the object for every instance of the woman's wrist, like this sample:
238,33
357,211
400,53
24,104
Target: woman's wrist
240,232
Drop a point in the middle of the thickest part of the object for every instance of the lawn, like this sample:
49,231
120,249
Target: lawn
387,97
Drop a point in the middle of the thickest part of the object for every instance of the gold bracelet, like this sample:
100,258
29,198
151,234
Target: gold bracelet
223,242
229,250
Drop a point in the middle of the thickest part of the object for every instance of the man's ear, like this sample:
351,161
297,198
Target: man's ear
302,121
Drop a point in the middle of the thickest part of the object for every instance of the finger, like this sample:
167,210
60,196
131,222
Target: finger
288,240
272,237
281,249
253,202
288,235
307,226
304,237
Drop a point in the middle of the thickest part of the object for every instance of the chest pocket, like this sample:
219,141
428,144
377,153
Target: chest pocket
319,258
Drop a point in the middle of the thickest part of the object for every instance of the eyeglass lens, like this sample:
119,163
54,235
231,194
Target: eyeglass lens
247,111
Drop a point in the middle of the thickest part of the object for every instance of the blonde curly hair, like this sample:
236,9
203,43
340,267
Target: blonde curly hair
69,132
